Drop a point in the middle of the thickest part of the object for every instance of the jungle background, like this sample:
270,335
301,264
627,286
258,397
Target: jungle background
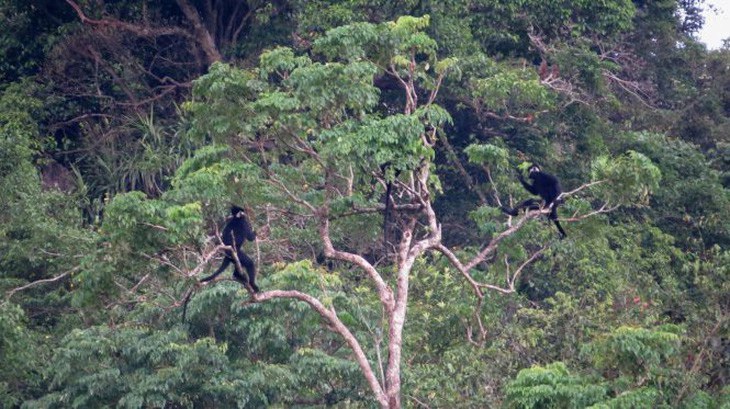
128,128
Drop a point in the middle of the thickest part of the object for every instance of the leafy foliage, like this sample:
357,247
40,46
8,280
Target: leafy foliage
290,107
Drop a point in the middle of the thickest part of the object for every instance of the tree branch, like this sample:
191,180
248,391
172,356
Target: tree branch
465,269
384,292
202,35
37,282
142,31
338,327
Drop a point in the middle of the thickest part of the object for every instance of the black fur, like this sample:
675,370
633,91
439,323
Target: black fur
234,234
548,188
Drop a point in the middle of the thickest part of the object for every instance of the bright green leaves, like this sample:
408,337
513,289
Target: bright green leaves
220,106
305,276
633,361
18,354
551,386
512,90
131,219
394,139
448,64
283,96
352,42
384,44
18,129
330,88
280,62
325,114
134,367
408,25
434,115
636,351
629,178
503,88
408,32
212,177
488,155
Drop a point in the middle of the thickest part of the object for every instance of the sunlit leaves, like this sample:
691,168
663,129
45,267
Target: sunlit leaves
487,154
351,42
18,354
434,115
18,129
636,351
507,89
633,359
334,86
628,178
448,64
552,386
280,61
304,276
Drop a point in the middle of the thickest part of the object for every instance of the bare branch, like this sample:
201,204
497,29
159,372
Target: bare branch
584,186
482,331
631,87
465,269
203,261
384,292
37,282
481,256
142,31
338,327
527,262
136,286
603,209
460,267
280,185
494,186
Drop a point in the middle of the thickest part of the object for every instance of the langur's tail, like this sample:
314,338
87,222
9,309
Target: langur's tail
185,303
510,211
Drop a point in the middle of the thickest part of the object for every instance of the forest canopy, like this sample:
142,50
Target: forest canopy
381,153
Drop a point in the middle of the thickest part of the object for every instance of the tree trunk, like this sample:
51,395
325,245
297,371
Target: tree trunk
202,36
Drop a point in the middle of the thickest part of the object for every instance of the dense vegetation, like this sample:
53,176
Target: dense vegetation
127,129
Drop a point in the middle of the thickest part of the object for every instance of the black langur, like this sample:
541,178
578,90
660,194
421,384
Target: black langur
236,231
547,187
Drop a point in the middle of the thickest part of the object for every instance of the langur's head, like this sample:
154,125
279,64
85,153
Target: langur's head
237,211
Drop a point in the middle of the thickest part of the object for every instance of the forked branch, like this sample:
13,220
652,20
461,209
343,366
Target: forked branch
335,325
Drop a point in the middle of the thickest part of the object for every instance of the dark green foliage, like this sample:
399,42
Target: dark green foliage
157,141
